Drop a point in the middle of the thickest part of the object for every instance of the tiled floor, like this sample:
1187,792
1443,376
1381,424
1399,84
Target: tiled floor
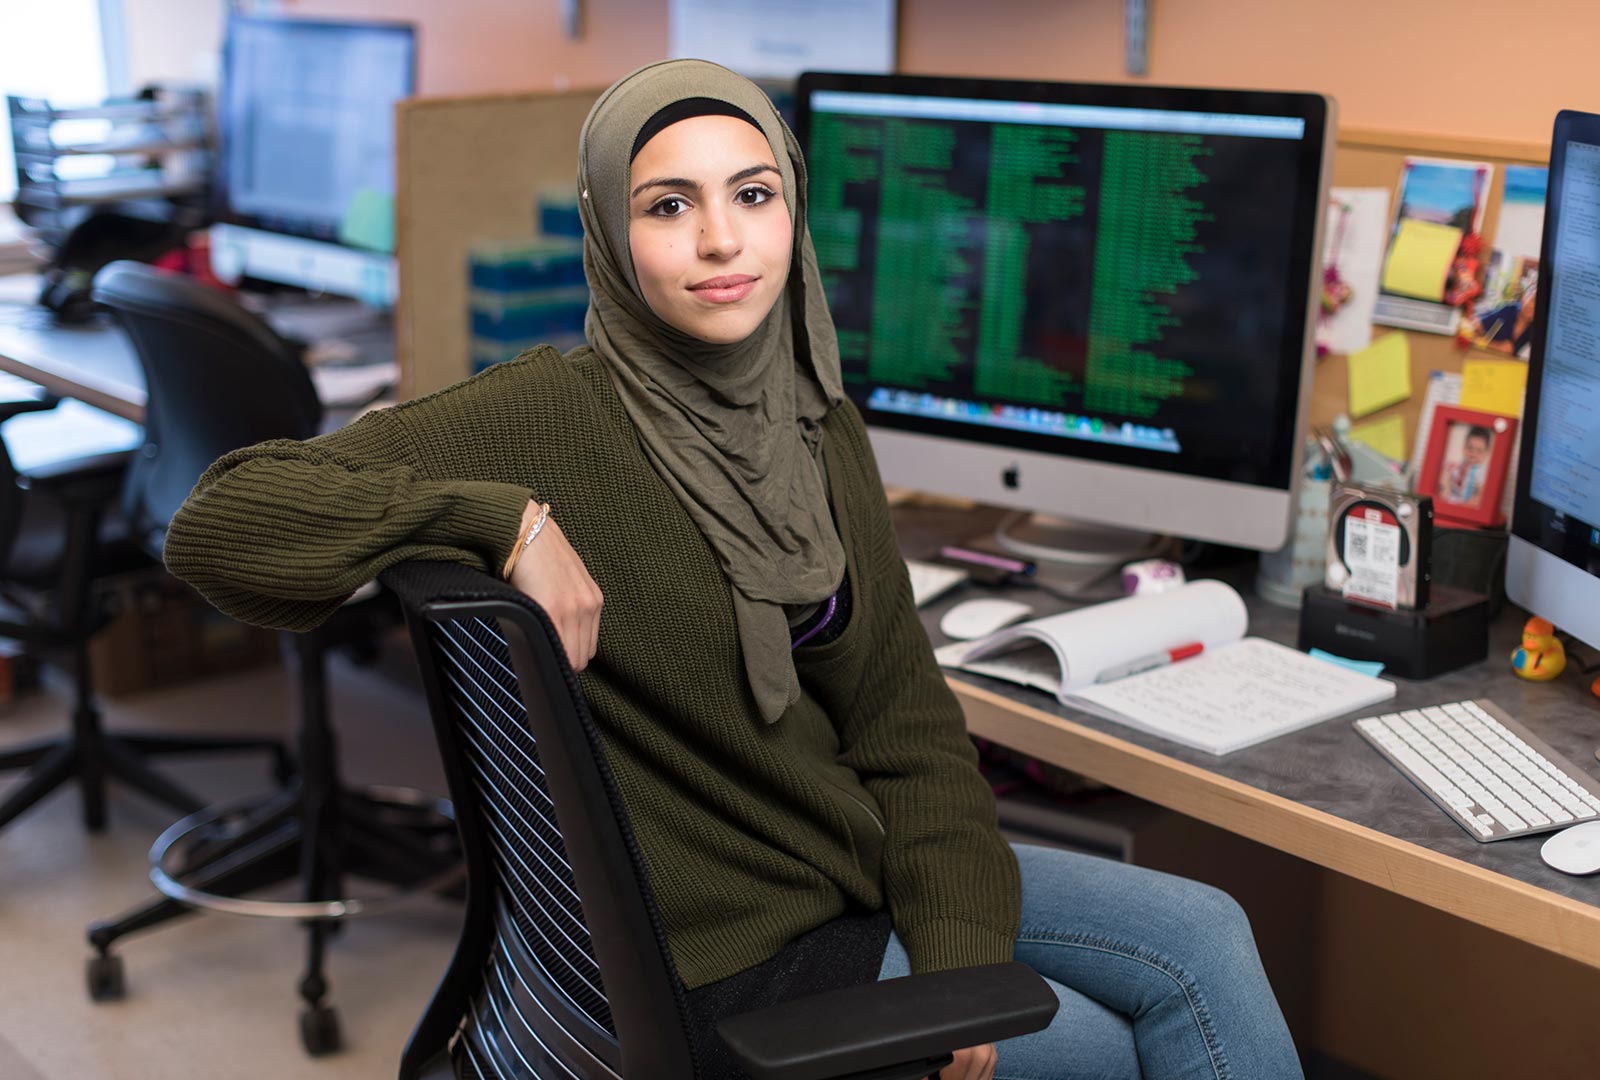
209,997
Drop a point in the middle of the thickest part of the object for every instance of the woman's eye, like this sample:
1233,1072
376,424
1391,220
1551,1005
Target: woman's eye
671,206
754,195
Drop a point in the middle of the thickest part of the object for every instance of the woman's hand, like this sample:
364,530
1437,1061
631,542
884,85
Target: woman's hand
554,577
973,1063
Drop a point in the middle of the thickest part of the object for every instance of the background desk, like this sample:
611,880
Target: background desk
1326,797
95,362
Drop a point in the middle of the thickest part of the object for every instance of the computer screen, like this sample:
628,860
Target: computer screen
305,116
1553,567
1088,300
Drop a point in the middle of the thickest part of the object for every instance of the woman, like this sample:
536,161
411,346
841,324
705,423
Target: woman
796,772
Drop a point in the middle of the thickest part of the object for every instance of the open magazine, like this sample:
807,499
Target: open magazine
1237,692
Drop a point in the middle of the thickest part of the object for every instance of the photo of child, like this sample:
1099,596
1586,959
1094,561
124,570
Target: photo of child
1466,464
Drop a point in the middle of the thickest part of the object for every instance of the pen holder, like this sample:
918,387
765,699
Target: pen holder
1285,573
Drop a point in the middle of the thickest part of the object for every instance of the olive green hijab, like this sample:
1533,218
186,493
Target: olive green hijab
734,430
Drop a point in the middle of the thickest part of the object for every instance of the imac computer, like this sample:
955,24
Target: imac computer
305,182
1090,302
1553,563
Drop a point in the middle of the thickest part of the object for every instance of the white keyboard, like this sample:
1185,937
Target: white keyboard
931,580
1491,774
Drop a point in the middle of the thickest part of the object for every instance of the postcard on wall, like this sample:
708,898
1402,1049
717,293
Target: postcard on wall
1502,319
1352,256
775,39
1440,204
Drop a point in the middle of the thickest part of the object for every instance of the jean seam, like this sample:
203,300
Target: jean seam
1191,992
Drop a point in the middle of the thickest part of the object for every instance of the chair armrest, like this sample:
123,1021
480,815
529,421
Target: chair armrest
914,1022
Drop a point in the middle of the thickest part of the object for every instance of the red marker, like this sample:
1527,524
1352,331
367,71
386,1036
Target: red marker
1148,663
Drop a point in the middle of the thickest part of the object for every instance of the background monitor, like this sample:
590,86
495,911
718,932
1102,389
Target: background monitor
1088,301
306,161
1553,564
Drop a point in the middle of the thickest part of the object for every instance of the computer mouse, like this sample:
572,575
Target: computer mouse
973,619
1575,850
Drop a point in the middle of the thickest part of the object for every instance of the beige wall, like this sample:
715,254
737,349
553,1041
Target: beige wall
1489,68
172,40
479,46
1468,67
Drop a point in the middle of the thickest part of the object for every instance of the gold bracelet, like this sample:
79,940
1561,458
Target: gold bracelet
528,538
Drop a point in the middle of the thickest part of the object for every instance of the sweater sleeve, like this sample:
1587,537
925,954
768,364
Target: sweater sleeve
951,880
281,533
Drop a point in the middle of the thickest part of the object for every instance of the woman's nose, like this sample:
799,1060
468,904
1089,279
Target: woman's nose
719,235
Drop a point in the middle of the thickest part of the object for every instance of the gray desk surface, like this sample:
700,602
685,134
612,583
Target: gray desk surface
1332,771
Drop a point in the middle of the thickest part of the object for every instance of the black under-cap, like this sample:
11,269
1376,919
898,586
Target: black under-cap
683,110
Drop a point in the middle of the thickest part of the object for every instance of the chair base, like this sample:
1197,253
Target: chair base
210,860
254,830
93,760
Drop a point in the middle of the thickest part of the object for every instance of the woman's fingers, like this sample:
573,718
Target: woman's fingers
553,575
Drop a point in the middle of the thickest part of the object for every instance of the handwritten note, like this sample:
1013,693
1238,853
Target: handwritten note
1233,697
1380,375
1494,386
1419,260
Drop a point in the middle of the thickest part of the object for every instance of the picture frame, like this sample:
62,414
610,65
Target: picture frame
1465,465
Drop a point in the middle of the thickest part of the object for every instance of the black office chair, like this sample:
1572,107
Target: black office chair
562,968
218,379
56,541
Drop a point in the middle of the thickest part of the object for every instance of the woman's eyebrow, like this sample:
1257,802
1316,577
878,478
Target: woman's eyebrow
684,182
745,174
665,181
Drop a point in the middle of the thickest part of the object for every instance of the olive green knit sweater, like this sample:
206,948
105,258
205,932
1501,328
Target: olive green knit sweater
864,793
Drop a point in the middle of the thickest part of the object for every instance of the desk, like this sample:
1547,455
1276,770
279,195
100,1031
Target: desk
1324,795
95,362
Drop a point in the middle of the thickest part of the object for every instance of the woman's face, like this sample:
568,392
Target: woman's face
708,228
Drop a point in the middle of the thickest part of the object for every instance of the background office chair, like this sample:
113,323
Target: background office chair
562,968
56,539
218,379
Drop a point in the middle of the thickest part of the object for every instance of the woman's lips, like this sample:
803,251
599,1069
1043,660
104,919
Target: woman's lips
726,289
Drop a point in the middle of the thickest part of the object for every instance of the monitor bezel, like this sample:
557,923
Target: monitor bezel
222,210
1537,577
1215,506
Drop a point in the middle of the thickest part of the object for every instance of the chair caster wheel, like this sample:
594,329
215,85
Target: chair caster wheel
319,1030
105,978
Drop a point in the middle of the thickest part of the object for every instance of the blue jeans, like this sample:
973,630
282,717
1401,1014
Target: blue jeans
1158,978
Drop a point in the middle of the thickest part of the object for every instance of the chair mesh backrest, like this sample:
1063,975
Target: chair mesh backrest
551,901
530,858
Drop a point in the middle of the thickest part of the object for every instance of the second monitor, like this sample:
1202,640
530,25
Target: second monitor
1090,301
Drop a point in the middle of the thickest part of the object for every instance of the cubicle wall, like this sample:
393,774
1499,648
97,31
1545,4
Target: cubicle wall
471,168
468,169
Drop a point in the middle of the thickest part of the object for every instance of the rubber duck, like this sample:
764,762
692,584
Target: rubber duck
1540,657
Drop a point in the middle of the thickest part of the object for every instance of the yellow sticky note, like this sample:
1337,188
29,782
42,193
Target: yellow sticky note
1380,375
1419,261
1386,435
1495,386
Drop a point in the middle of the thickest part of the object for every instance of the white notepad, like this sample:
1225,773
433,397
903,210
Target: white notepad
1234,696
1239,692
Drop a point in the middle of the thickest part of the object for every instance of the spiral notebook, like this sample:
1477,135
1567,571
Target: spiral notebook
1240,691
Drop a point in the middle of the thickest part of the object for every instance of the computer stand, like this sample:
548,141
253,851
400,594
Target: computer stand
1073,555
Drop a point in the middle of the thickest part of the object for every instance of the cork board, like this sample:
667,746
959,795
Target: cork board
470,169
1373,159
467,169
